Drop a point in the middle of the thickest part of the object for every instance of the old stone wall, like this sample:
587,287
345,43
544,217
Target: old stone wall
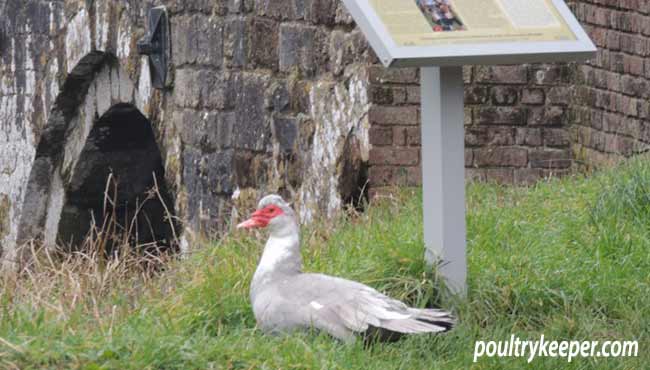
269,96
283,96
263,96
62,65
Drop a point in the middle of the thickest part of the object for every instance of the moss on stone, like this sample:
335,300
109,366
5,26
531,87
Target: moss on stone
5,207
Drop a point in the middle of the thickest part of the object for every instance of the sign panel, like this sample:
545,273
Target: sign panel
450,32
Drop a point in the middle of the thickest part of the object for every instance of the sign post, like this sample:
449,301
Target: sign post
440,36
443,172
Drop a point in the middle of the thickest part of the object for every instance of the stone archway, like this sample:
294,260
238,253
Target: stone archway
118,185
98,111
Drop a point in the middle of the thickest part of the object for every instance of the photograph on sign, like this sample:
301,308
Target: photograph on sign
434,22
440,14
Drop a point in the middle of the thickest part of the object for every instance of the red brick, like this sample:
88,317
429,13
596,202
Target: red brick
413,136
517,74
556,137
500,175
500,116
528,136
527,176
394,156
550,158
386,115
379,74
381,136
489,136
532,96
413,94
399,136
501,157
546,116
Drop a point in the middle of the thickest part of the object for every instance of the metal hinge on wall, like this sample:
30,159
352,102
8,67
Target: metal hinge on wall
156,44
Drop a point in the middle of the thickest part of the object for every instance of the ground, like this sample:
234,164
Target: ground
565,258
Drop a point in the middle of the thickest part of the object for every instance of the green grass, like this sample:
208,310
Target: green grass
567,258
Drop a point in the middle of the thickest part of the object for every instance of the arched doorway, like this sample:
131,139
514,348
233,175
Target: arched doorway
118,187
97,138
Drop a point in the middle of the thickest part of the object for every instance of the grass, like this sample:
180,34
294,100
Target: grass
567,258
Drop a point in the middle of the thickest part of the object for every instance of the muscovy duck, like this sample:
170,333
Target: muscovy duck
285,299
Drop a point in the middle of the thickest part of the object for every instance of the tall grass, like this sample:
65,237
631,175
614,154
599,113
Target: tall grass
566,258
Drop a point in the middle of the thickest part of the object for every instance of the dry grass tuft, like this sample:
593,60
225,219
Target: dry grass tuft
66,281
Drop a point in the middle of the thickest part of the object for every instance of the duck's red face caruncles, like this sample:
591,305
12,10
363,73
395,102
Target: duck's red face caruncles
261,217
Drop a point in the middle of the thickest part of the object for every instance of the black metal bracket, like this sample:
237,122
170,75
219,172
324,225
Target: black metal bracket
156,44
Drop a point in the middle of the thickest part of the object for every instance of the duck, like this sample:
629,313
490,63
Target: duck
285,299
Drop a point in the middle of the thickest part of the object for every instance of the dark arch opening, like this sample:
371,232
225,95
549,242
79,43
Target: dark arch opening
117,190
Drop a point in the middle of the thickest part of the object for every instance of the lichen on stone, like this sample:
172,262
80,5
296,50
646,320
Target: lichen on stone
339,112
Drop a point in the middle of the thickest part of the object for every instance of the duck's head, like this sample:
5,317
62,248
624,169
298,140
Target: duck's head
272,211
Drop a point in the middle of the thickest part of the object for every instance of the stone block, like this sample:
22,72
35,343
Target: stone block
276,9
285,132
197,39
277,96
252,129
298,48
187,90
344,49
264,44
236,42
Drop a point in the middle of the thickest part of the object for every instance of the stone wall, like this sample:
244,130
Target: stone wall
285,96
263,96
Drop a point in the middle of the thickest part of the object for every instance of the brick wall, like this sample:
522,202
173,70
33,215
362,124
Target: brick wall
395,127
516,123
527,122
611,109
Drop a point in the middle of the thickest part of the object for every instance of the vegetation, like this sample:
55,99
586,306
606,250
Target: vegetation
567,258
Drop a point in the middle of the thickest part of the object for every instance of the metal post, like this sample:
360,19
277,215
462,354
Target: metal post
443,173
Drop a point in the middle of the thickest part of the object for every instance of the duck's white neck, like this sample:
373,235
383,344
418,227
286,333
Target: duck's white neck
281,254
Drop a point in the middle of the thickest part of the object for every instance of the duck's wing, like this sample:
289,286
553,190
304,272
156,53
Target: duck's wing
344,307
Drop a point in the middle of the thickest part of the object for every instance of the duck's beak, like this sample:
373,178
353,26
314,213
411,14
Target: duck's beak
256,220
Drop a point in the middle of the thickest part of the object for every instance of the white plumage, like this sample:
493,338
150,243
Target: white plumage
285,299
